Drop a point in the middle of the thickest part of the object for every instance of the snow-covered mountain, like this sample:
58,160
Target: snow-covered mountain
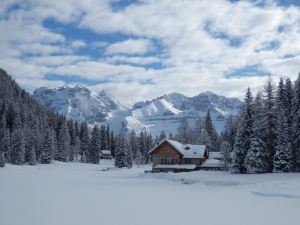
79,103
161,114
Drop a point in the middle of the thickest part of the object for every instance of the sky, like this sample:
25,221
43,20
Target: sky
141,49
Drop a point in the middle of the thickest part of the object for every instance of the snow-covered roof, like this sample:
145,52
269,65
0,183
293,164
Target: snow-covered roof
186,150
212,163
107,152
175,166
215,155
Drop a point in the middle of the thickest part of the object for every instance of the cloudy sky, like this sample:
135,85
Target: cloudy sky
145,48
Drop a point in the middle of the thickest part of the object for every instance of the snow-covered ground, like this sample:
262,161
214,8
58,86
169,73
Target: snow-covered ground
75,193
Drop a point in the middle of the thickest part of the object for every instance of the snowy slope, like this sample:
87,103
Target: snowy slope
161,114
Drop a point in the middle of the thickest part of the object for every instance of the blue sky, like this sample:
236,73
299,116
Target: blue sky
140,49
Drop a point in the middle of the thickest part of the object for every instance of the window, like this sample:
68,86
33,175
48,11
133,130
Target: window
188,161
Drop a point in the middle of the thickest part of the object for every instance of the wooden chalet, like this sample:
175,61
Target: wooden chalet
173,156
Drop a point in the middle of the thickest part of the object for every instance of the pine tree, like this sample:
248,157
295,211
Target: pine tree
63,143
17,147
256,160
84,141
4,139
296,123
182,131
128,157
230,131
32,156
283,159
120,155
242,141
95,146
48,148
226,151
210,134
268,123
2,159
138,158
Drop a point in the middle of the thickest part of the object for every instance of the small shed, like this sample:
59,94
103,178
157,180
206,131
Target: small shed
106,154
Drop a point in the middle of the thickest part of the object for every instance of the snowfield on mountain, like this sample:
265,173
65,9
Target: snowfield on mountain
77,193
161,114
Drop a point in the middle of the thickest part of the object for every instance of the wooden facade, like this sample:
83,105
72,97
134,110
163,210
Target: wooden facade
166,154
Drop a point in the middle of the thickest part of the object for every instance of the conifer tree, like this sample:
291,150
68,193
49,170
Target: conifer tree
242,141
2,159
296,123
120,154
283,159
32,156
256,160
95,146
226,151
84,141
210,134
63,143
128,158
48,148
17,147
268,123
182,131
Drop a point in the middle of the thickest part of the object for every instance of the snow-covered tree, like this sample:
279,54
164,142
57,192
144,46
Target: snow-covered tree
242,141
2,159
84,141
283,158
17,147
268,124
32,156
210,134
226,151
296,123
63,143
256,160
120,154
182,131
128,158
95,146
48,148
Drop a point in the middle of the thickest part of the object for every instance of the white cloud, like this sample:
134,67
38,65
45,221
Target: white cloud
130,46
193,59
133,60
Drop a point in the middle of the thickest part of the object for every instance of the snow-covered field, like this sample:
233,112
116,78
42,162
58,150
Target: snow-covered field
75,193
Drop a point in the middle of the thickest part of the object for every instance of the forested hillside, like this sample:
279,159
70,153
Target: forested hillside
30,133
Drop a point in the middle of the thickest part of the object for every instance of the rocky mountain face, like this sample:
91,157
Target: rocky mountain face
161,114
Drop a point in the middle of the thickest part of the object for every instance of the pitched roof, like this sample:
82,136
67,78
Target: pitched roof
186,150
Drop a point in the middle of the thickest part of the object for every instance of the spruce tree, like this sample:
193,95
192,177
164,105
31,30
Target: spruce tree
48,148
296,123
268,123
210,134
182,131
95,146
226,151
256,160
242,141
2,159
283,159
32,156
128,157
120,154
63,143
84,142
17,147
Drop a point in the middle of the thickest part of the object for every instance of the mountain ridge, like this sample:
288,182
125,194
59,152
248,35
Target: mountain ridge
163,113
